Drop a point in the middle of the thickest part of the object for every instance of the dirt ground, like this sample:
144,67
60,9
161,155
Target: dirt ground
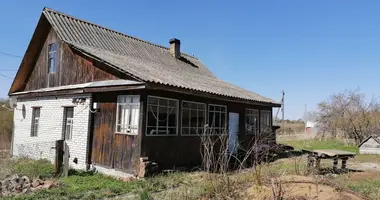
302,187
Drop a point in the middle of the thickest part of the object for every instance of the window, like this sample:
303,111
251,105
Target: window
35,122
68,118
52,68
162,116
251,121
265,120
128,112
193,118
217,118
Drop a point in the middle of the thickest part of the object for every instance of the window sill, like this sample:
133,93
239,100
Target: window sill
120,133
160,135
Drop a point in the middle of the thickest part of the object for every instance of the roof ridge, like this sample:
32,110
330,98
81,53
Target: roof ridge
117,32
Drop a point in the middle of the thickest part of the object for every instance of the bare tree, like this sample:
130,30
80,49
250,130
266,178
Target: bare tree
350,114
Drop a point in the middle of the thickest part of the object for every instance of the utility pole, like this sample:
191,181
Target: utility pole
282,110
305,116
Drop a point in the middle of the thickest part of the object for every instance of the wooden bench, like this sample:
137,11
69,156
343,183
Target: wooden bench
315,157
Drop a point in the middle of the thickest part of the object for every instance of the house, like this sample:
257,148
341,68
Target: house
371,145
116,99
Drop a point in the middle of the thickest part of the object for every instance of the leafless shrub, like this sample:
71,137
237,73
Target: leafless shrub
218,160
350,115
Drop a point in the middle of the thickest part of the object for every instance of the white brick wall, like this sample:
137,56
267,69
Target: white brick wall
50,129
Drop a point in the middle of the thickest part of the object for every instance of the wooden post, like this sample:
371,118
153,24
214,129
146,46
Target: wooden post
310,163
58,157
344,163
318,164
66,157
335,164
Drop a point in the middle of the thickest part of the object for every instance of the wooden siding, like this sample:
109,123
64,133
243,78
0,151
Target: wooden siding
123,151
71,67
39,77
169,151
117,151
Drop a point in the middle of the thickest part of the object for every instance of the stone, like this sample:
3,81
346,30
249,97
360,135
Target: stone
36,183
48,184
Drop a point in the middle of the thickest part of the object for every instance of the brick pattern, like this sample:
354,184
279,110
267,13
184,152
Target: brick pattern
50,129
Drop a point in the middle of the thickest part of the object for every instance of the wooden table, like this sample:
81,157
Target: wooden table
315,157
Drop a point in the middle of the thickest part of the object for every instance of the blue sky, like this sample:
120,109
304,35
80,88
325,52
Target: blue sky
310,49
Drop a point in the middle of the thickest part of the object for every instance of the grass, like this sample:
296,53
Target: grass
321,144
195,185
26,167
84,187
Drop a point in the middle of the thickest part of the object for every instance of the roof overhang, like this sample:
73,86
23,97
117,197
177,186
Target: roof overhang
91,87
157,86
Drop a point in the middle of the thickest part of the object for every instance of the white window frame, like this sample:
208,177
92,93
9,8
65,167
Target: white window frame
208,116
147,111
35,122
263,120
256,113
130,106
68,121
205,116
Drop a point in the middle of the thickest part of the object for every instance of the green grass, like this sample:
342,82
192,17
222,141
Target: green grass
370,188
321,144
26,167
84,187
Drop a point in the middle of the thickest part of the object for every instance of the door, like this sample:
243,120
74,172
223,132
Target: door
233,132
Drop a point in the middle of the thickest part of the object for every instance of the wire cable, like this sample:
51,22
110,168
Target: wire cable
1,74
10,55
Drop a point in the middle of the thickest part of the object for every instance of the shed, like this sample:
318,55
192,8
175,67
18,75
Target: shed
371,145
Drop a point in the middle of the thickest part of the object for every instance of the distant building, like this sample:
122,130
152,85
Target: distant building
310,126
370,145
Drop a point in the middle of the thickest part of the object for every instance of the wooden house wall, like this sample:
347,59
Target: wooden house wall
169,151
119,151
123,151
71,67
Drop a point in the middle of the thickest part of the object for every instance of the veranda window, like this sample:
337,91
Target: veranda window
162,116
128,112
251,121
265,121
193,118
217,118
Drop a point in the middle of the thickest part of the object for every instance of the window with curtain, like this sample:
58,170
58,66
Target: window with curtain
193,118
251,121
162,116
128,112
217,118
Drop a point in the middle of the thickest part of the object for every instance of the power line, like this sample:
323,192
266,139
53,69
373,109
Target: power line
1,74
2,69
11,55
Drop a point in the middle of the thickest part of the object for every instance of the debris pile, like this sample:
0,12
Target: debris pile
19,185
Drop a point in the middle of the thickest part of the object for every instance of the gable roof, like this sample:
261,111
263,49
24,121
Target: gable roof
143,60
369,137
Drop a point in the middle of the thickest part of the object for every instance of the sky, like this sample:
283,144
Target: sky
310,49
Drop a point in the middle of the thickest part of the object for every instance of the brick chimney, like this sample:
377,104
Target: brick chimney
175,47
